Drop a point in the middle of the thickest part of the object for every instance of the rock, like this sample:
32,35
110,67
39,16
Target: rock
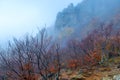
116,77
64,79
87,74
80,71
107,78
78,78
85,16
105,69
110,75
84,70
118,66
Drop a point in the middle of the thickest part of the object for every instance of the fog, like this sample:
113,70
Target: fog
20,17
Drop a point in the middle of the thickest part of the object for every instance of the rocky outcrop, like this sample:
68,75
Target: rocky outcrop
85,16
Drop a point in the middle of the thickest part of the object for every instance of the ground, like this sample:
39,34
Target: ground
109,72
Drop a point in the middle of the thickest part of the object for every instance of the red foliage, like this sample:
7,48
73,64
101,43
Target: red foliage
52,69
72,64
92,59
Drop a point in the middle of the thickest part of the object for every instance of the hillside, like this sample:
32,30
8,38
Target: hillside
85,46
110,72
84,16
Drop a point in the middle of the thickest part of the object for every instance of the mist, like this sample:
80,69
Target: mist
18,18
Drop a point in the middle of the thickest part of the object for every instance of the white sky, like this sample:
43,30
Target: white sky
18,17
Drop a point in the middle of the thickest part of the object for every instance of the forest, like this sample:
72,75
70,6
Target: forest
85,45
44,58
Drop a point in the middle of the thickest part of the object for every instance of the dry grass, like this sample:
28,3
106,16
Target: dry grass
96,74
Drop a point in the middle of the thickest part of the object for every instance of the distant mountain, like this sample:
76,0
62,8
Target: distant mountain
84,16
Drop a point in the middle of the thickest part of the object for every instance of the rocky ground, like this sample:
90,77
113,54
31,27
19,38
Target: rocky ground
109,72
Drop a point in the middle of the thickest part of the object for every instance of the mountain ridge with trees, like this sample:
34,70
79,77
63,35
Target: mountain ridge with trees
60,56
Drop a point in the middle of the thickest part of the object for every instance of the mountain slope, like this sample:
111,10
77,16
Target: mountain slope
85,15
